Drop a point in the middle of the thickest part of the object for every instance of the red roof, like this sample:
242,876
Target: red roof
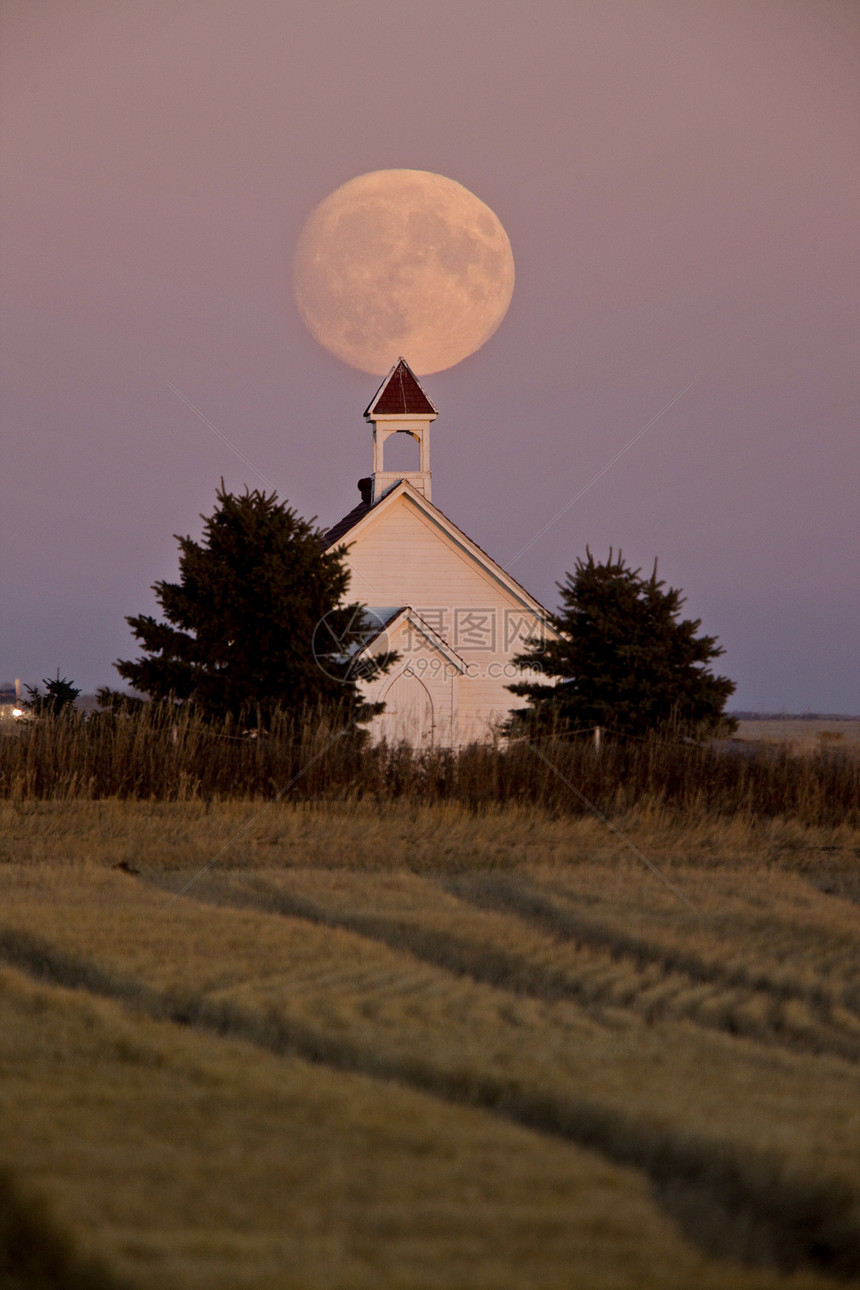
400,395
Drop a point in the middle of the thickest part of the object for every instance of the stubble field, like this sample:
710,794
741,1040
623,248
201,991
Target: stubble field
405,1046
802,734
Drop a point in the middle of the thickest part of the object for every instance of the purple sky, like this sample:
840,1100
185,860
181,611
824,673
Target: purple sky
681,186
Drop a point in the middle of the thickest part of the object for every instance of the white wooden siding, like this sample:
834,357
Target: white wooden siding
401,557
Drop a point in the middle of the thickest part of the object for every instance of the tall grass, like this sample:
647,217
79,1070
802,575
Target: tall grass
161,755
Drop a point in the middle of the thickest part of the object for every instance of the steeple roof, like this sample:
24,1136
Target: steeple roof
400,395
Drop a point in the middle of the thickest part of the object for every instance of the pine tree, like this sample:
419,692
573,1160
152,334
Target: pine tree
238,639
58,699
624,659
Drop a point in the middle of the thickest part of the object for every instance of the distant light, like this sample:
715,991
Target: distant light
17,712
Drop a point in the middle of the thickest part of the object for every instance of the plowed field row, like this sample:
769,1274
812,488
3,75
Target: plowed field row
752,1148
525,935
136,1153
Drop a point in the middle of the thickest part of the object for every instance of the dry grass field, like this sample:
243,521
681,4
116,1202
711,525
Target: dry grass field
803,734
392,1045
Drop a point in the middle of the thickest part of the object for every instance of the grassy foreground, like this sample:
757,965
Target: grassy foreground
390,1045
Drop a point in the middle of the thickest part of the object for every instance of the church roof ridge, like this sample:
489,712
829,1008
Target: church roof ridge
400,394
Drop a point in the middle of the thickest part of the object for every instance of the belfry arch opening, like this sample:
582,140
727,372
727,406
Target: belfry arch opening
402,452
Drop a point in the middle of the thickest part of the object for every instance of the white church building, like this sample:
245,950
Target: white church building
455,617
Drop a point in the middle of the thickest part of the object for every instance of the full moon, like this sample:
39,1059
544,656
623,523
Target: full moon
402,262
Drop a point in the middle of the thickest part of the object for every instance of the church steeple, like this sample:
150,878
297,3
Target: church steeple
400,406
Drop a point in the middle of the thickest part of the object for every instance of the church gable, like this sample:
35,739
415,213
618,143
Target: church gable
404,540
406,633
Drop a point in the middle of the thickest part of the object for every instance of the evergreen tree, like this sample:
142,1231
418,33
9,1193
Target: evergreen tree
238,640
59,697
624,659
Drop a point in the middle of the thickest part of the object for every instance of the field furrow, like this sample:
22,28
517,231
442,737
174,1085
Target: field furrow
753,1149
504,932
817,964
135,1153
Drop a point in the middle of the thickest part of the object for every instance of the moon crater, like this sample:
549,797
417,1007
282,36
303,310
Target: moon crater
402,262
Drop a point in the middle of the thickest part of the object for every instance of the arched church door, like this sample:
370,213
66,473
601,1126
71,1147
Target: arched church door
408,711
